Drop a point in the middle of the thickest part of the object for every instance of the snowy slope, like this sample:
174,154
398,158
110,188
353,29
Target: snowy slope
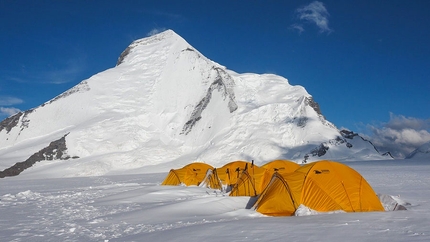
165,105
136,208
421,152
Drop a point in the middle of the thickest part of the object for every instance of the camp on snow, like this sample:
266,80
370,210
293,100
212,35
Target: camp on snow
280,187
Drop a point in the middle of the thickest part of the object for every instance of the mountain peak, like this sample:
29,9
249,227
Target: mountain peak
165,105
167,37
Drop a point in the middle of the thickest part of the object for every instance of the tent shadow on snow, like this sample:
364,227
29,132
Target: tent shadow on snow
284,188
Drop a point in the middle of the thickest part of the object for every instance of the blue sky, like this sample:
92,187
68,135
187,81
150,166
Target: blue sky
367,63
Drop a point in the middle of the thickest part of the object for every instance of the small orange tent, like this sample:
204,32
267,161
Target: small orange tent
322,186
191,174
230,172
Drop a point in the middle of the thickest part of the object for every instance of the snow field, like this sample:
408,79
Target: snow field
136,208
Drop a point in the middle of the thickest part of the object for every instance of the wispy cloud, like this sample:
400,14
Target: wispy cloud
6,112
314,13
8,101
298,27
155,31
64,72
401,135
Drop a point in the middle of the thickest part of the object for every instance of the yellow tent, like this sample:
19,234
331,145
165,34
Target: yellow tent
281,166
322,186
211,180
191,174
230,172
251,181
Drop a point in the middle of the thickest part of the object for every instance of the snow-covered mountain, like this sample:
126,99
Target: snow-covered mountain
421,152
165,105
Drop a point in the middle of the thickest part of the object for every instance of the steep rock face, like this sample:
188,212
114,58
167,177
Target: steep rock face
165,105
55,150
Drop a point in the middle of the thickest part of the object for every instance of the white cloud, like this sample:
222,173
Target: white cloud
401,135
298,27
7,101
155,31
6,112
314,13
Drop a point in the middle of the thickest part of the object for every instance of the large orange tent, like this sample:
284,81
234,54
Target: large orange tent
191,174
322,186
281,166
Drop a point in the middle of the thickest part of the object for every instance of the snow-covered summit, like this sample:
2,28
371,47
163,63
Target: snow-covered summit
166,39
165,105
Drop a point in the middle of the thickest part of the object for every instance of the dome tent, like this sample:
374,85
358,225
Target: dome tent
251,181
254,179
281,166
191,174
322,186
230,172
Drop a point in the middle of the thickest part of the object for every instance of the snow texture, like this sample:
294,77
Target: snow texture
135,207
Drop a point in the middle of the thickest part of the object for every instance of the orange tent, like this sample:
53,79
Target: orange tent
322,186
230,172
254,179
251,181
211,180
281,166
191,174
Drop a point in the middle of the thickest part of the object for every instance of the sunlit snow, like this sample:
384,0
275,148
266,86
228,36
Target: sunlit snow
163,107
136,207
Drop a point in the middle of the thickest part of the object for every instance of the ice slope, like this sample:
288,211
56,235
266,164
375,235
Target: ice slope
165,105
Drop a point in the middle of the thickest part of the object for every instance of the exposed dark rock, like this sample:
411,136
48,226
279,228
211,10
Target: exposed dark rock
302,121
320,150
310,101
223,83
388,154
188,49
56,150
82,86
123,55
10,122
348,134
